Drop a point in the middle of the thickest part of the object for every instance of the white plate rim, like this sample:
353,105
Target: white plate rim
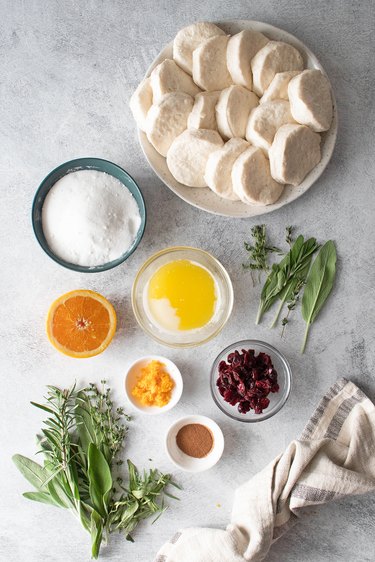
237,209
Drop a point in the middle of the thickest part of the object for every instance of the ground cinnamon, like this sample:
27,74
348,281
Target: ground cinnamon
195,440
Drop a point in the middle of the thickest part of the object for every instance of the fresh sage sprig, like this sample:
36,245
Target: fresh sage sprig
292,276
80,442
297,266
318,286
284,277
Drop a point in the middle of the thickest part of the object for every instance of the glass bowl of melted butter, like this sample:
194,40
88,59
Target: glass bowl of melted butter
182,297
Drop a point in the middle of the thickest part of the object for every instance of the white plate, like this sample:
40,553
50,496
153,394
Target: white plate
191,464
204,198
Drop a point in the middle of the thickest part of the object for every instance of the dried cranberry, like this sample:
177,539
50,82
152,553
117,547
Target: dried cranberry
246,379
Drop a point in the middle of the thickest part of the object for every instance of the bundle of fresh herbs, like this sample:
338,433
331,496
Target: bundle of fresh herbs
80,443
294,273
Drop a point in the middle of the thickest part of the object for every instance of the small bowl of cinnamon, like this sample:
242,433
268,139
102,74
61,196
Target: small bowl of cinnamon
194,443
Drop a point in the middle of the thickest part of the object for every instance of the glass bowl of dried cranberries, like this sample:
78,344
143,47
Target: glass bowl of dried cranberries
250,381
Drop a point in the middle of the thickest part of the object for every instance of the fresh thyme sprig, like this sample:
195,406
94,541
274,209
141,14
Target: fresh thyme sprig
80,443
292,302
259,251
289,235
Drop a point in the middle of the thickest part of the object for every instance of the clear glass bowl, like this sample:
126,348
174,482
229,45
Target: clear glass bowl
277,399
183,338
74,166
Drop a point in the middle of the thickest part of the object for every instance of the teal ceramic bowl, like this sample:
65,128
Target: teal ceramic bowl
74,166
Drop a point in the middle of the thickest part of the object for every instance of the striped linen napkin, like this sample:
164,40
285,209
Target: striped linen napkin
334,458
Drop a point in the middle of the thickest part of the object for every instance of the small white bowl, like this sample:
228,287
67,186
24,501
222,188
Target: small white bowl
191,464
133,373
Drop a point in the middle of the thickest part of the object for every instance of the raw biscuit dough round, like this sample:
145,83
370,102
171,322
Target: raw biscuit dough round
168,77
168,119
252,180
219,166
210,69
233,110
140,103
265,120
274,57
188,39
203,113
311,100
295,151
188,155
278,88
241,49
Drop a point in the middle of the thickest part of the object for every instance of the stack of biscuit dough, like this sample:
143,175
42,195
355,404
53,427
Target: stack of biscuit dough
238,114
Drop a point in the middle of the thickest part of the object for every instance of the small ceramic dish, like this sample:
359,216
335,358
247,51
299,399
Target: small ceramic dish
133,373
99,165
191,464
183,338
277,399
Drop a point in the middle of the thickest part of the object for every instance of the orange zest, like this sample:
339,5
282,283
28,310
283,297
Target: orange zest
81,323
154,386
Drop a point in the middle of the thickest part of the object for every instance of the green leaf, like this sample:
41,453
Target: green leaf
85,426
319,284
128,514
284,275
41,497
51,438
100,479
85,511
277,279
291,290
96,534
32,471
58,494
44,408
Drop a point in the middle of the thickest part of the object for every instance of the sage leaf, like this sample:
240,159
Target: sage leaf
41,497
96,534
85,426
57,493
100,479
85,511
318,286
291,290
290,268
32,471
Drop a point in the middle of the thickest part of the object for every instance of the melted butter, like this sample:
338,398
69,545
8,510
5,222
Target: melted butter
182,296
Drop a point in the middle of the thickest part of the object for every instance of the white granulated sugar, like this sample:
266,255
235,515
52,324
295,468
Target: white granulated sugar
89,218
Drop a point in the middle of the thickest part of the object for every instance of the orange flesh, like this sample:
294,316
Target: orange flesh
81,324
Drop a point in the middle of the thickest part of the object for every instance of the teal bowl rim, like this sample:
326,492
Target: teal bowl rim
86,163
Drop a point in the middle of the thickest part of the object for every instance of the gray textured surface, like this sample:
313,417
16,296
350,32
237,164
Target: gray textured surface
67,71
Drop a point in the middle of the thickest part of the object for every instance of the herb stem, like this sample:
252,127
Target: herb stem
259,314
305,338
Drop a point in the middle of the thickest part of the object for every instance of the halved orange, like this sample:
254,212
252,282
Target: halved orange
81,323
